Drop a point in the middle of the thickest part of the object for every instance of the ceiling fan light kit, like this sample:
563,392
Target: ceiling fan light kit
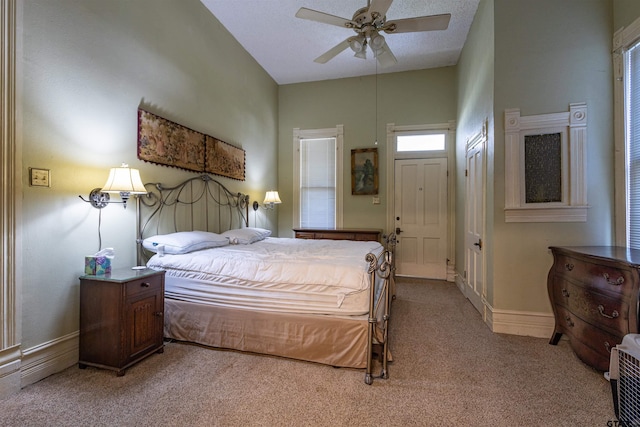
367,22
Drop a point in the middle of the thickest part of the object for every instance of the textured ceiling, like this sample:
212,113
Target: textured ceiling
285,46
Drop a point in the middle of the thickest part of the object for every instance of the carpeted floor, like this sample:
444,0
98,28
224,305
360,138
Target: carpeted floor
448,369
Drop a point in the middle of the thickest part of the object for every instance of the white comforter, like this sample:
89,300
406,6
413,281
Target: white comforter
293,275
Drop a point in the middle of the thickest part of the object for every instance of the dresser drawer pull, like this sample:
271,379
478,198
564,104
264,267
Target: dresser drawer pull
603,314
565,293
157,313
617,282
568,266
145,284
569,321
607,346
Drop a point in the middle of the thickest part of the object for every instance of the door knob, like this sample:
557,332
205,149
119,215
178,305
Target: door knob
398,231
478,244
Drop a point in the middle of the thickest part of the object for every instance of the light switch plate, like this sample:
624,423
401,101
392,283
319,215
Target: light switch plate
39,177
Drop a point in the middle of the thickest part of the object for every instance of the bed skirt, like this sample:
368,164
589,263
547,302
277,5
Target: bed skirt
339,341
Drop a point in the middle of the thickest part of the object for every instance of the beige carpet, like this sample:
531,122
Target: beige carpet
449,370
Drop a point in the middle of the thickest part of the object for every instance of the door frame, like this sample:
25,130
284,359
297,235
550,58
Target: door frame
449,129
11,196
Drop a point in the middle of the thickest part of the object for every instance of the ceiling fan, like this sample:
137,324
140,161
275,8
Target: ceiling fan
368,22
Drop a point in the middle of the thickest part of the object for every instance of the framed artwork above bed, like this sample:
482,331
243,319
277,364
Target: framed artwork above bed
167,143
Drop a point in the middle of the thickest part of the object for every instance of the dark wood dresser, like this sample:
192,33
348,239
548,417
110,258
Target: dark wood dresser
594,295
121,318
362,234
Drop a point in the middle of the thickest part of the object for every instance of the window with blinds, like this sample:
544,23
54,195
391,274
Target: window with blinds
318,183
632,129
318,177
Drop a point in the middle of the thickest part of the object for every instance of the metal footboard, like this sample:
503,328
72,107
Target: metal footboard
381,266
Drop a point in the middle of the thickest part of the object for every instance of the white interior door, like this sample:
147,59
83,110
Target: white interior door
474,255
421,217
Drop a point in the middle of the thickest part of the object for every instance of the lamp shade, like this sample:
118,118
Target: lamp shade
272,197
124,180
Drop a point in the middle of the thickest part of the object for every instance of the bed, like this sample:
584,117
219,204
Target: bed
232,286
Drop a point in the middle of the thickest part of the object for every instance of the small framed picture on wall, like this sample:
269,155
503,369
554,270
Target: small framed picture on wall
364,171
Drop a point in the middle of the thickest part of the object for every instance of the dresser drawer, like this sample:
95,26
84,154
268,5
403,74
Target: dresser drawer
598,340
361,234
335,236
597,276
597,309
304,235
143,285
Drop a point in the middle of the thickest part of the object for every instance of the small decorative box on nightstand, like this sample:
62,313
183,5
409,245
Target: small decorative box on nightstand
121,318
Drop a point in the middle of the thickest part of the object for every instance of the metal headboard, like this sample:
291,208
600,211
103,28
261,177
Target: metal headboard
199,203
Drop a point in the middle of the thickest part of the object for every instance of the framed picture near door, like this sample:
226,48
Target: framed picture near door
364,171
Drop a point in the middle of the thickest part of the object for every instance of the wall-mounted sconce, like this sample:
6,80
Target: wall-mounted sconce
270,200
123,180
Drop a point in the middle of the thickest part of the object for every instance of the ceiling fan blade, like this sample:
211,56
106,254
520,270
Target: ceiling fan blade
422,23
380,6
325,18
385,57
325,57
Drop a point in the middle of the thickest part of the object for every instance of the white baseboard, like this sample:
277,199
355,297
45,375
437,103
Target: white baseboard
451,273
512,322
49,358
9,371
527,323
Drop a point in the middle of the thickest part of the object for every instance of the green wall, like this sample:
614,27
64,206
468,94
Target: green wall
364,105
86,67
625,12
549,54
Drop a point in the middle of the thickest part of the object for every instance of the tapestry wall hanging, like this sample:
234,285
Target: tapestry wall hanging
164,142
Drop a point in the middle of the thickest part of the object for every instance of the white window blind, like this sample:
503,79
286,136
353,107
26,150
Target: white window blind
318,183
632,108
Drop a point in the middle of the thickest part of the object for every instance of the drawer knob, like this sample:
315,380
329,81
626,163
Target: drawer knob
569,321
607,346
158,313
617,282
613,315
145,284
568,266
565,293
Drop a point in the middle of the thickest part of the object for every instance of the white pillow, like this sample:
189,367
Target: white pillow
183,242
245,236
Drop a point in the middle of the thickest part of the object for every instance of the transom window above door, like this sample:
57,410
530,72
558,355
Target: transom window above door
421,142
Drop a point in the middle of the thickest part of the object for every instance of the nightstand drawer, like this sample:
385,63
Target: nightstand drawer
146,284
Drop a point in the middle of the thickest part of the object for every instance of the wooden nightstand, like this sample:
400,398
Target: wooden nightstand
121,318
